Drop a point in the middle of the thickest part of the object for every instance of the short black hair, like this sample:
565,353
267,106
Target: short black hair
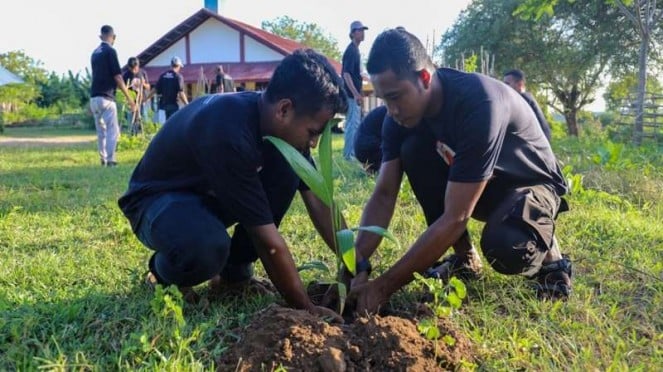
309,81
518,74
133,62
400,51
107,30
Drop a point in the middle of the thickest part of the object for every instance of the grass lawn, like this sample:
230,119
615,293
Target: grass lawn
71,293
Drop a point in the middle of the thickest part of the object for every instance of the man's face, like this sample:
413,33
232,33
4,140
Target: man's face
405,99
513,83
358,34
303,131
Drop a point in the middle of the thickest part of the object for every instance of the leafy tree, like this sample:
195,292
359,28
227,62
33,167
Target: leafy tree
621,90
24,66
646,18
309,34
565,53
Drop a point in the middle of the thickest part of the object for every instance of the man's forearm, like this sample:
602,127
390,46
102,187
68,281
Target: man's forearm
280,266
430,246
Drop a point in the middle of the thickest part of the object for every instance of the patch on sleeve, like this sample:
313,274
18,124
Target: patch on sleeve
446,153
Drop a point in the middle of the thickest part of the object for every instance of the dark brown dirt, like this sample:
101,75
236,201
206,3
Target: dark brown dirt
298,341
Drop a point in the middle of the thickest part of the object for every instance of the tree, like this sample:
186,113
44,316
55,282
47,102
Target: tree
24,66
646,16
308,34
565,53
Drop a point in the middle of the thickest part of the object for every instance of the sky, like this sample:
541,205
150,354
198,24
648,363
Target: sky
62,34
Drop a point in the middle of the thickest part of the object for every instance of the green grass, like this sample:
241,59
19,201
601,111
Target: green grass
71,293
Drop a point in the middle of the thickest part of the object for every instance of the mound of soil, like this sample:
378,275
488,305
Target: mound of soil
298,341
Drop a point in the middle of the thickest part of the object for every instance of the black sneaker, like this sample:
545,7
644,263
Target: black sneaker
553,281
466,267
152,280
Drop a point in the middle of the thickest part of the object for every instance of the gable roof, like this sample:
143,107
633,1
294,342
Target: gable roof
277,43
8,77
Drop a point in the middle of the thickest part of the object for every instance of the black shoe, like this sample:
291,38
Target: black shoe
553,281
111,164
466,267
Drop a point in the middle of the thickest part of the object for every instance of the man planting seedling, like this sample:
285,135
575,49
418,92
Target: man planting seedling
208,168
471,147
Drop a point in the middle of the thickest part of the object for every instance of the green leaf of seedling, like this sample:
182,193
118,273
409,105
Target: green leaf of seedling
314,265
454,300
379,231
449,340
428,328
459,287
325,151
337,218
305,170
443,311
345,240
342,295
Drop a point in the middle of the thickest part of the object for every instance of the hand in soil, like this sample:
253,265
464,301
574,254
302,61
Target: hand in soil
366,298
326,314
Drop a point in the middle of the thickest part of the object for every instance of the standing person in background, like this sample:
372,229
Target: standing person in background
106,77
223,83
352,78
368,143
516,80
137,82
170,87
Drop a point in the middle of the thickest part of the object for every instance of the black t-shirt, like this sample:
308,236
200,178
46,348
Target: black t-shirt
169,85
489,130
369,133
135,81
105,66
352,65
531,101
213,148
224,81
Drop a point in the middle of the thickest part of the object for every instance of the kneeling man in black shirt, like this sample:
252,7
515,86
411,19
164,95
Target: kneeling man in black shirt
471,147
209,168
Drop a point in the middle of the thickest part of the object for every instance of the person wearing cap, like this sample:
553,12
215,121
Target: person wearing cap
210,168
352,78
170,88
106,77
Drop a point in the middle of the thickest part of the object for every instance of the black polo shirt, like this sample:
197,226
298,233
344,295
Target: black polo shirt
489,131
213,147
352,65
105,66
170,83
531,101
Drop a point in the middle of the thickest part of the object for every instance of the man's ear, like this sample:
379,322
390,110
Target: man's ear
284,110
425,77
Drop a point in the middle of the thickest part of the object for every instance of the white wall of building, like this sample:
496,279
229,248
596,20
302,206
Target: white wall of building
214,41
258,52
177,49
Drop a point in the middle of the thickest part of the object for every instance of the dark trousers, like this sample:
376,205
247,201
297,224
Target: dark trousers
520,225
170,109
190,240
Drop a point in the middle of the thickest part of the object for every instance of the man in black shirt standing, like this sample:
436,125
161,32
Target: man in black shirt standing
516,80
170,88
471,147
209,168
106,77
353,84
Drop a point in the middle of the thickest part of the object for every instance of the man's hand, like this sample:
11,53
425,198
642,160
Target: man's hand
359,99
367,297
132,105
326,314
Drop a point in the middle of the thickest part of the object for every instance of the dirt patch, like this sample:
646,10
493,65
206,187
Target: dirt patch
45,141
297,340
